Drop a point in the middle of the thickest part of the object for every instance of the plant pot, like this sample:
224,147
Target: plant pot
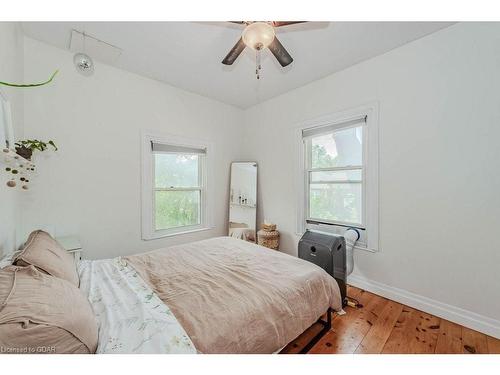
24,152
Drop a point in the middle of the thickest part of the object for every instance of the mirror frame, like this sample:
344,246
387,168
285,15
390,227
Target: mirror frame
6,127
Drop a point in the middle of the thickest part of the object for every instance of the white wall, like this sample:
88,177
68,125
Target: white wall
439,161
91,186
11,70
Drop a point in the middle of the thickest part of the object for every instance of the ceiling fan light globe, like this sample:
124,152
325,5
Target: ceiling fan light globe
84,64
258,35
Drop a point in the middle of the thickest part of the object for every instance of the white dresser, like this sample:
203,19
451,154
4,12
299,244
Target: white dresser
73,245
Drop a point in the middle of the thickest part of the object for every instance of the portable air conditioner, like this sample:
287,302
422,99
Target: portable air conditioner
327,251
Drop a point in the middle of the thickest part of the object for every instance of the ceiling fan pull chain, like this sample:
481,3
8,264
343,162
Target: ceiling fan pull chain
258,67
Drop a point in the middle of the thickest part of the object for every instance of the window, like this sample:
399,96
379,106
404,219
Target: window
174,187
335,177
339,175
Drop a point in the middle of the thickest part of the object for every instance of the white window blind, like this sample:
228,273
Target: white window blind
319,130
177,149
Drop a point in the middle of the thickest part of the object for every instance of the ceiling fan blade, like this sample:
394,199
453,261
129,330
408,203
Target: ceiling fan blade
285,23
280,52
234,53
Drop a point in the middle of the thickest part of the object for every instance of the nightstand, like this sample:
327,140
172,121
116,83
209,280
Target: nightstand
72,245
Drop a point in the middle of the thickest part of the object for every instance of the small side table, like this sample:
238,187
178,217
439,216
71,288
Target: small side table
72,245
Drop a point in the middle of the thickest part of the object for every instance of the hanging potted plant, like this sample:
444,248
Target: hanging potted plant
17,168
25,148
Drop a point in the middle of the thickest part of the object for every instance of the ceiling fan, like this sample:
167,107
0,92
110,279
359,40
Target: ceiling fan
259,35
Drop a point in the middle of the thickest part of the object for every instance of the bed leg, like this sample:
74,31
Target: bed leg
327,325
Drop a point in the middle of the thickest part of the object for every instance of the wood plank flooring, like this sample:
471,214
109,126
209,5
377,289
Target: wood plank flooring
385,326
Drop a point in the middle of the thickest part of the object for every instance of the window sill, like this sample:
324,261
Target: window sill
156,236
364,248
356,247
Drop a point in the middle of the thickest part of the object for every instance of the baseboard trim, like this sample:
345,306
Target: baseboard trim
454,314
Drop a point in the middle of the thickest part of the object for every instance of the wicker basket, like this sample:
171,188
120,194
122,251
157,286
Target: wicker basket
270,239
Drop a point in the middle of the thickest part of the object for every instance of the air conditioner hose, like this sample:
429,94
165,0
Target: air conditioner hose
351,236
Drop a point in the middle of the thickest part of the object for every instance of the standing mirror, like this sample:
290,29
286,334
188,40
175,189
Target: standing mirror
243,201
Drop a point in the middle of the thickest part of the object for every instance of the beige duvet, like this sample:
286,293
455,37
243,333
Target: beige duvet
232,296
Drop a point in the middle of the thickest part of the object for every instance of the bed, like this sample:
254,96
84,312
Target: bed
227,295
220,295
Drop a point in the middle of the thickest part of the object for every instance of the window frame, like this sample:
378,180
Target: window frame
370,175
148,188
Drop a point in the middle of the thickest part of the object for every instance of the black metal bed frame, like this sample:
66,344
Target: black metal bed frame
327,325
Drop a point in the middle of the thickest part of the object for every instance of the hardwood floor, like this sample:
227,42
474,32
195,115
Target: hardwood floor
385,326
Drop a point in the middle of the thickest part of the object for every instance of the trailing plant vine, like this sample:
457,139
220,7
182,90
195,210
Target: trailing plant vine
30,84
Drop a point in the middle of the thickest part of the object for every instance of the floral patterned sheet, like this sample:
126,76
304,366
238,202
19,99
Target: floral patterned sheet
131,317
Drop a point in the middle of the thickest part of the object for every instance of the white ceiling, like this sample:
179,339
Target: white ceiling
188,55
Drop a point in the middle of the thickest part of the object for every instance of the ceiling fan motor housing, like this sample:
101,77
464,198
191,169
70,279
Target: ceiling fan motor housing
258,35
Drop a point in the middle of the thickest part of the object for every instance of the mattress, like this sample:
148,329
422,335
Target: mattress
232,296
